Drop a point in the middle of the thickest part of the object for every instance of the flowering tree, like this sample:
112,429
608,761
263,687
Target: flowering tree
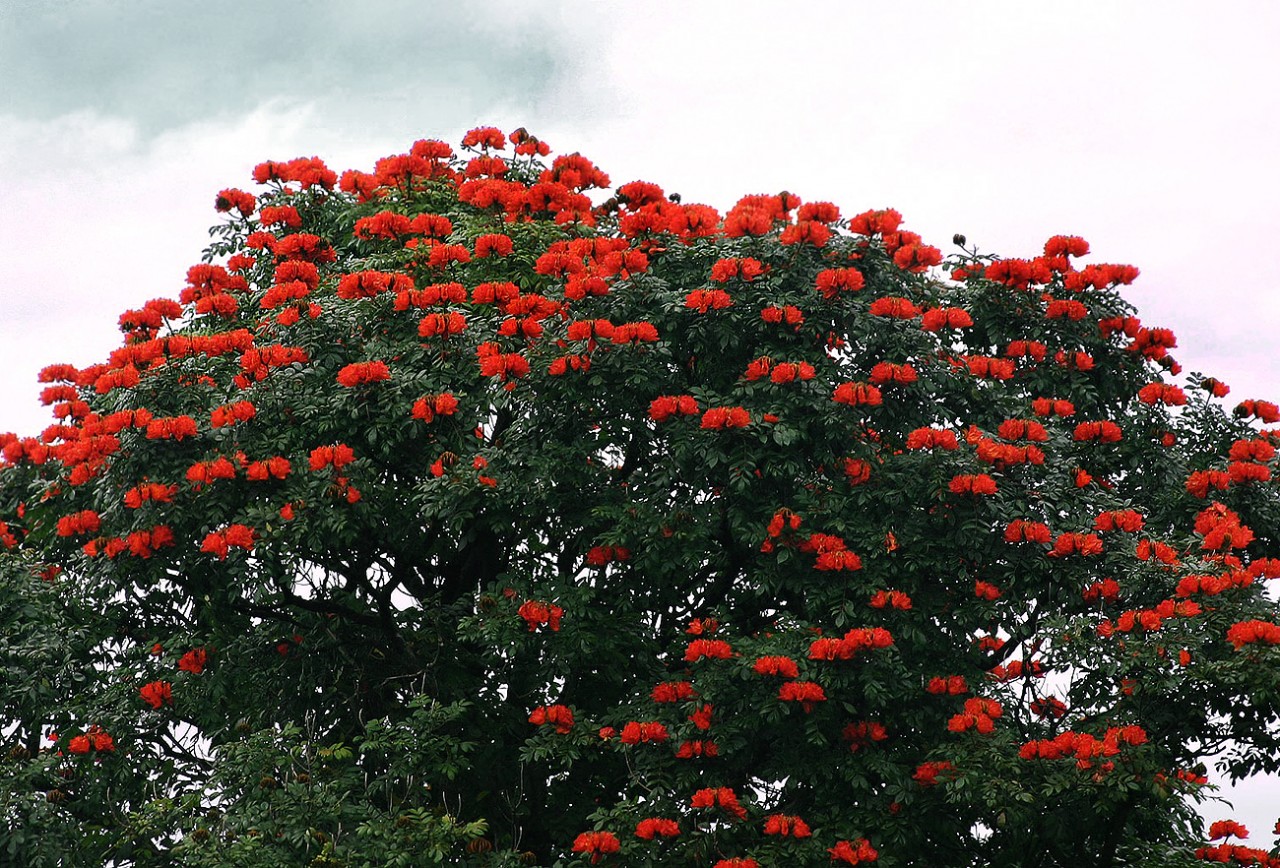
452,515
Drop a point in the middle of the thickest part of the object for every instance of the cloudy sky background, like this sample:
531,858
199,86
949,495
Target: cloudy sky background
1150,129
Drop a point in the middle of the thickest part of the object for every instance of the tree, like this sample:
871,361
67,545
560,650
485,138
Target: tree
450,515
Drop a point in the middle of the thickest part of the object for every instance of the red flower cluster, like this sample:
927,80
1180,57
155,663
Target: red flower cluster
782,666
980,484
883,373
598,556
559,716
715,649
719,797
932,438
853,852
636,732
979,714
746,269
857,394
894,307
596,844
854,642
157,693
219,542
985,591
149,492
1125,520
539,614
1083,746
863,733
1084,544
1020,530
673,691
1253,632
790,314
1052,407
428,407
172,428
926,774
696,748
834,281
360,373
1227,829
938,318
884,599
725,418
1107,590
84,522
657,827
1049,707
833,554
1221,528
1101,432
96,740
807,693
194,661
233,199
229,414
951,685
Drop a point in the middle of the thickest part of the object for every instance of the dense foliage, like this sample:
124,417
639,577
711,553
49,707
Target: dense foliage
453,515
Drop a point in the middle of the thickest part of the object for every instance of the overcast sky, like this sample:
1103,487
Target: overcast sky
1149,128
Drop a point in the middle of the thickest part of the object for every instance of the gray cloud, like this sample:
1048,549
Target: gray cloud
161,64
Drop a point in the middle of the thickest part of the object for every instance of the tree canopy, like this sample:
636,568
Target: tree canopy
468,511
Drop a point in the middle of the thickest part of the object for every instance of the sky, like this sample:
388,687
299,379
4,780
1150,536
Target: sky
1149,129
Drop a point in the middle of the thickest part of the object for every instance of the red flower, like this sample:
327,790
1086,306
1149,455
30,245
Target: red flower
747,269
807,693
887,372
493,245
880,222
853,852
538,614
952,685
84,522
486,137
783,666
94,739
637,733
1104,432
980,484
428,407
894,307
359,373
715,649
691,749
651,827
1227,829
339,455
673,691
235,199
194,661
724,418
985,591
833,281
559,716
927,773
721,797
157,693
664,408
857,394
863,733
597,844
